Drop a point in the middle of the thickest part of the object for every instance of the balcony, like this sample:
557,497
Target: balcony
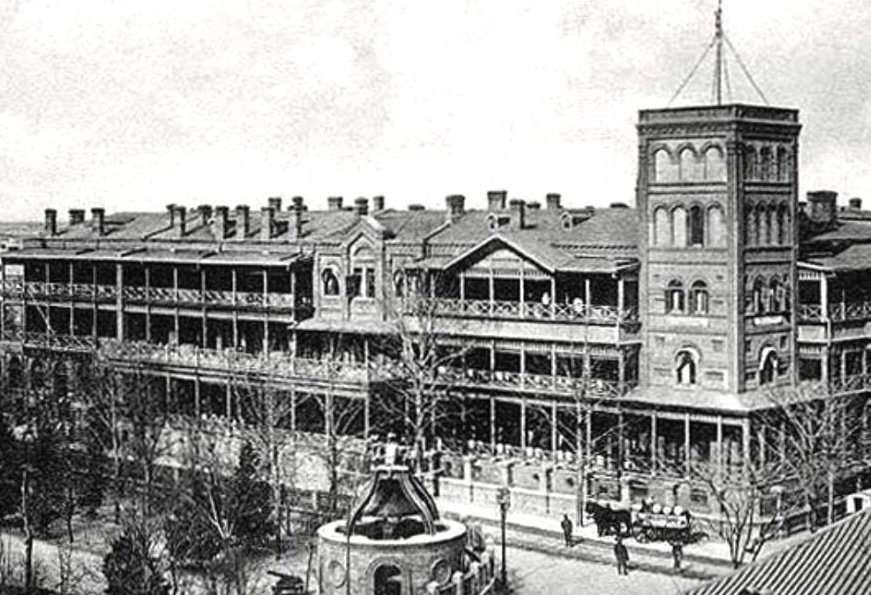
527,311
61,292
519,381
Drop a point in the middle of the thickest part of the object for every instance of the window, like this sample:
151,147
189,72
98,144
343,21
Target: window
699,297
783,225
774,297
679,227
689,165
399,284
715,166
750,228
750,163
782,164
763,230
756,302
353,283
768,366
686,368
331,283
674,298
697,226
716,228
661,227
766,163
663,168
370,282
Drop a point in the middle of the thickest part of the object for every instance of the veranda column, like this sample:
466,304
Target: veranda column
492,423
95,309
653,443
554,446
745,445
523,424
366,429
72,301
687,446
228,400
204,342
233,289
176,313
266,310
719,463
147,303
119,301
197,407
824,296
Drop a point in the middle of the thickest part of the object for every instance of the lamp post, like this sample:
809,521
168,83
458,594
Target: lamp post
503,498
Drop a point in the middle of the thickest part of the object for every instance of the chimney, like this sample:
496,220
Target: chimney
267,223
416,207
205,213
855,204
170,208
180,215
533,205
518,213
243,221
552,200
496,200
334,203
377,203
361,206
618,205
222,214
455,207
51,222
98,220
77,216
823,209
275,203
294,219
298,203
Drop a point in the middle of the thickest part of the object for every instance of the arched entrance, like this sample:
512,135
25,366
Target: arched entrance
388,580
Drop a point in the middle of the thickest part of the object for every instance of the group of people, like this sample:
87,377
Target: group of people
621,553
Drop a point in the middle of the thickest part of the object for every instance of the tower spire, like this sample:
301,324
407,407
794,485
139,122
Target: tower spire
718,40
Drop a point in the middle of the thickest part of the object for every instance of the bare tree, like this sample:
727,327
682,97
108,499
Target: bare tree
815,438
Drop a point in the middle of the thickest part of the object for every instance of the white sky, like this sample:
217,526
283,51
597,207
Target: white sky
135,104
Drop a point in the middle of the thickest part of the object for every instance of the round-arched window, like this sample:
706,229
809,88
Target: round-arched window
675,300
685,367
330,282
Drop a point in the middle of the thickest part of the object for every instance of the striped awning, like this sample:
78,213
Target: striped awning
837,561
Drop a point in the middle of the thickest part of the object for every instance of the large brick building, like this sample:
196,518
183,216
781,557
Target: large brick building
637,340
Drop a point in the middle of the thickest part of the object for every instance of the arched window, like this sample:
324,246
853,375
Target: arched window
388,580
697,226
749,163
764,237
663,168
757,301
766,164
783,223
679,227
716,227
776,296
330,282
773,229
399,284
715,166
675,300
699,297
783,164
661,227
689,165
750,229
685,368
768,366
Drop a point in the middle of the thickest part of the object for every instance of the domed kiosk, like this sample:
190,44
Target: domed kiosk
395,543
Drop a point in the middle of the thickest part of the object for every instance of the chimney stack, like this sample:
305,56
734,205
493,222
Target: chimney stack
518,213
267,223
180,218
222,215
98,220
205,213
377,203
243,221
823,207
334,203
298,203
455,207
170,208
496,200
294,219
553,201
361,206
275,203
533,205
855,204
77,216
51,222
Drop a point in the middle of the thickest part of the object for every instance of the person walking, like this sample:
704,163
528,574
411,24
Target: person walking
622,555
677,554
566,524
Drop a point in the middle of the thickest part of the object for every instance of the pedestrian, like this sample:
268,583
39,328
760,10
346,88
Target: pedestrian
566,524
677,554
622,555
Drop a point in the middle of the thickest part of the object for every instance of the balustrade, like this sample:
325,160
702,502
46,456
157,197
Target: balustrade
520,381
596,314
838,312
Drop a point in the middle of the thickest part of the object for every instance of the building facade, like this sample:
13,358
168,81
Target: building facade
587,351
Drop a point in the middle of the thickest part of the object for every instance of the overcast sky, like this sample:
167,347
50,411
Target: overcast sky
133,105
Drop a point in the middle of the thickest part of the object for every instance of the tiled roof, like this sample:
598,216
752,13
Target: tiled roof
837,561
855,257
847,230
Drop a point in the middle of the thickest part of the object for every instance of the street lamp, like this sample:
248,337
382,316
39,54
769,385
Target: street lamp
503,498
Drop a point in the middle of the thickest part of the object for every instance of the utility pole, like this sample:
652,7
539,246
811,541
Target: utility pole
503,498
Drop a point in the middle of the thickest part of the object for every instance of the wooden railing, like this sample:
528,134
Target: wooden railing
587,313
592,387
837,312
57,291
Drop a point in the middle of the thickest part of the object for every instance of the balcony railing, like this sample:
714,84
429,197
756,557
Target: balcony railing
209,297
58,291
591,387
838,312
586,313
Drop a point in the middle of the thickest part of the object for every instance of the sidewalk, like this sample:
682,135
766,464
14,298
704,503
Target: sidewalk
703,560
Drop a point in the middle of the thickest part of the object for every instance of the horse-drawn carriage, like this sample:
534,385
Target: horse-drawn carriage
645,522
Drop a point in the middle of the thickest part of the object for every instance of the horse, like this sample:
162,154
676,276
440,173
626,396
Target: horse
609,520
